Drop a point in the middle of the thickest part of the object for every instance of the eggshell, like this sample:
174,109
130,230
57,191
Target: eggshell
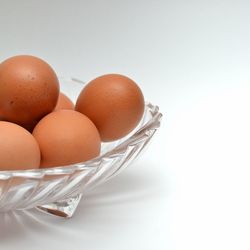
114,103
66,137
29,89
64,102
18,148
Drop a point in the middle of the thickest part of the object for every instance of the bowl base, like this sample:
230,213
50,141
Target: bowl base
65,208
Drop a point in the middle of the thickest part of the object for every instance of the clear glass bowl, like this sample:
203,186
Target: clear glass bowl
58,190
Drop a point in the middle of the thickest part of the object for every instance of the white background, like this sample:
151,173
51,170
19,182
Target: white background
190,190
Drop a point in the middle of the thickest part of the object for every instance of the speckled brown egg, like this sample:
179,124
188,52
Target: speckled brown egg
18,148
114,103
66,137
29,89
64,102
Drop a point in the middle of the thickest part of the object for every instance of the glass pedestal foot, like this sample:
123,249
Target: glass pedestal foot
64,208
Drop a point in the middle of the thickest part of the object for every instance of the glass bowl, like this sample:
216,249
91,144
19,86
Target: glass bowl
58,190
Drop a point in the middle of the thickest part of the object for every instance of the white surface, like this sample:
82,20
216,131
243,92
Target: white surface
190,190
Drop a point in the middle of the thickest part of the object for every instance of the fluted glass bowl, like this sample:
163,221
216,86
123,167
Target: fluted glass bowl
58,190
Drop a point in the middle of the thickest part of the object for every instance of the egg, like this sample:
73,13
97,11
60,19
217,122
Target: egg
64,102
114,103
66,137
19,149
29,89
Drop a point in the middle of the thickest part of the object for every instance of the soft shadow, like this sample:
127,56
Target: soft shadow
21,224
126,189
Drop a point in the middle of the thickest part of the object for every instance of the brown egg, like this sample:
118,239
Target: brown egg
64,102
29,89
19,149
66,137
114,103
